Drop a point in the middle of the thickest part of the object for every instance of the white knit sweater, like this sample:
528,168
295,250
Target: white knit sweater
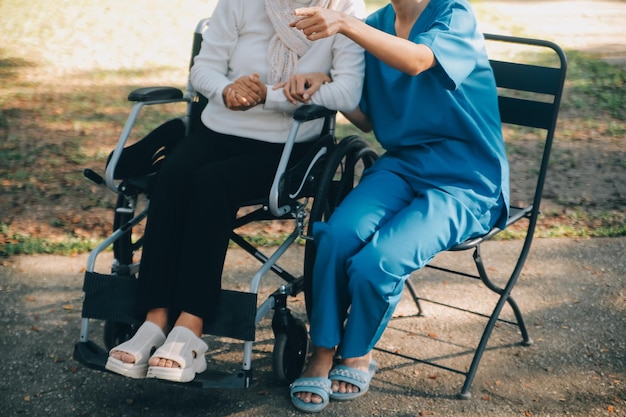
236,44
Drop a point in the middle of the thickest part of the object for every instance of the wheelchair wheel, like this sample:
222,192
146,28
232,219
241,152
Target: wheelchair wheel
290,350
344,168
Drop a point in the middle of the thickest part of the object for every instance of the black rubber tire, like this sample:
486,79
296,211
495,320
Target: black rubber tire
343,171
290,350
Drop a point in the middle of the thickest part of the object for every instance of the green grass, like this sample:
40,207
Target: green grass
77,125
594,87
595,82
574,225
18,244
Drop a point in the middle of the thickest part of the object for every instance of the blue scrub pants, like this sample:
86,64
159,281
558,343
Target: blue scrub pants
383,231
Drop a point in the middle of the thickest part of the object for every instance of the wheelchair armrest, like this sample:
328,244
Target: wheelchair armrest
312,112
155,94
301,115
144,96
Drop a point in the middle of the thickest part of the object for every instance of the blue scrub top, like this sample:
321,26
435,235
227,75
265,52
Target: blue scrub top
442,127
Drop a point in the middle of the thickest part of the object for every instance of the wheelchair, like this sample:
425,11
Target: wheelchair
302,192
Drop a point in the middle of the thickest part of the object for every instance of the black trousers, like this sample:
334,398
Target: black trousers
193,205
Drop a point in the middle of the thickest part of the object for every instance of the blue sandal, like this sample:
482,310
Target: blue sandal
315,385
352,376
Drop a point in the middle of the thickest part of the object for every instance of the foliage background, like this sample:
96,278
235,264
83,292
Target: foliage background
66,67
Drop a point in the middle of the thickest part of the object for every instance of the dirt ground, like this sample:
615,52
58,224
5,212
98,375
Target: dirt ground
572,293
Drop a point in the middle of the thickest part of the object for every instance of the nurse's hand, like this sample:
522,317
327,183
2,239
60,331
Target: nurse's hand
318,22
301,87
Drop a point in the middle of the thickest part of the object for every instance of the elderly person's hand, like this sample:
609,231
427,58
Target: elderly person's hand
244,93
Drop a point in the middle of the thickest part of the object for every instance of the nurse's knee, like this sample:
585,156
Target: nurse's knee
369,269
339,230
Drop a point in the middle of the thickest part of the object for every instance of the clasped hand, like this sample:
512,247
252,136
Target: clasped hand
244,93
248,91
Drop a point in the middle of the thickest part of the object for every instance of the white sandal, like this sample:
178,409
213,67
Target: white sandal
146,340
187,350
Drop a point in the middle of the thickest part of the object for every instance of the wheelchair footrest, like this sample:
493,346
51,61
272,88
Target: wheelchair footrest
236,316
95,357
91,355
112,297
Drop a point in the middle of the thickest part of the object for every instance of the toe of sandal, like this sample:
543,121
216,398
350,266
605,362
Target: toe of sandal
187,350
146,340
352,376
314,385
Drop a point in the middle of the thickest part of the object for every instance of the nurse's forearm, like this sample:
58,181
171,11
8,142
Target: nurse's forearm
359,119
402,54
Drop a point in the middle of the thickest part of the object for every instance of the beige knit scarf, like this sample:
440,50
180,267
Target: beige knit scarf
288,44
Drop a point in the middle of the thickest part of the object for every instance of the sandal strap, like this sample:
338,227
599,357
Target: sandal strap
148,337
353,376
182,346
349,375
314,385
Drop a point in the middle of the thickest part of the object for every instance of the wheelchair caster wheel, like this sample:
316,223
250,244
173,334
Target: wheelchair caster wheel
116,333
290,350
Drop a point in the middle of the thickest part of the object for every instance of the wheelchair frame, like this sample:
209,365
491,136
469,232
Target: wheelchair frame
109,297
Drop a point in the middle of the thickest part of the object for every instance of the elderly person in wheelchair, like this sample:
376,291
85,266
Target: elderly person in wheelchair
255,70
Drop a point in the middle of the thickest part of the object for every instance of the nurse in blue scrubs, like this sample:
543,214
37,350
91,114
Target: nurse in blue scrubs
430,98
